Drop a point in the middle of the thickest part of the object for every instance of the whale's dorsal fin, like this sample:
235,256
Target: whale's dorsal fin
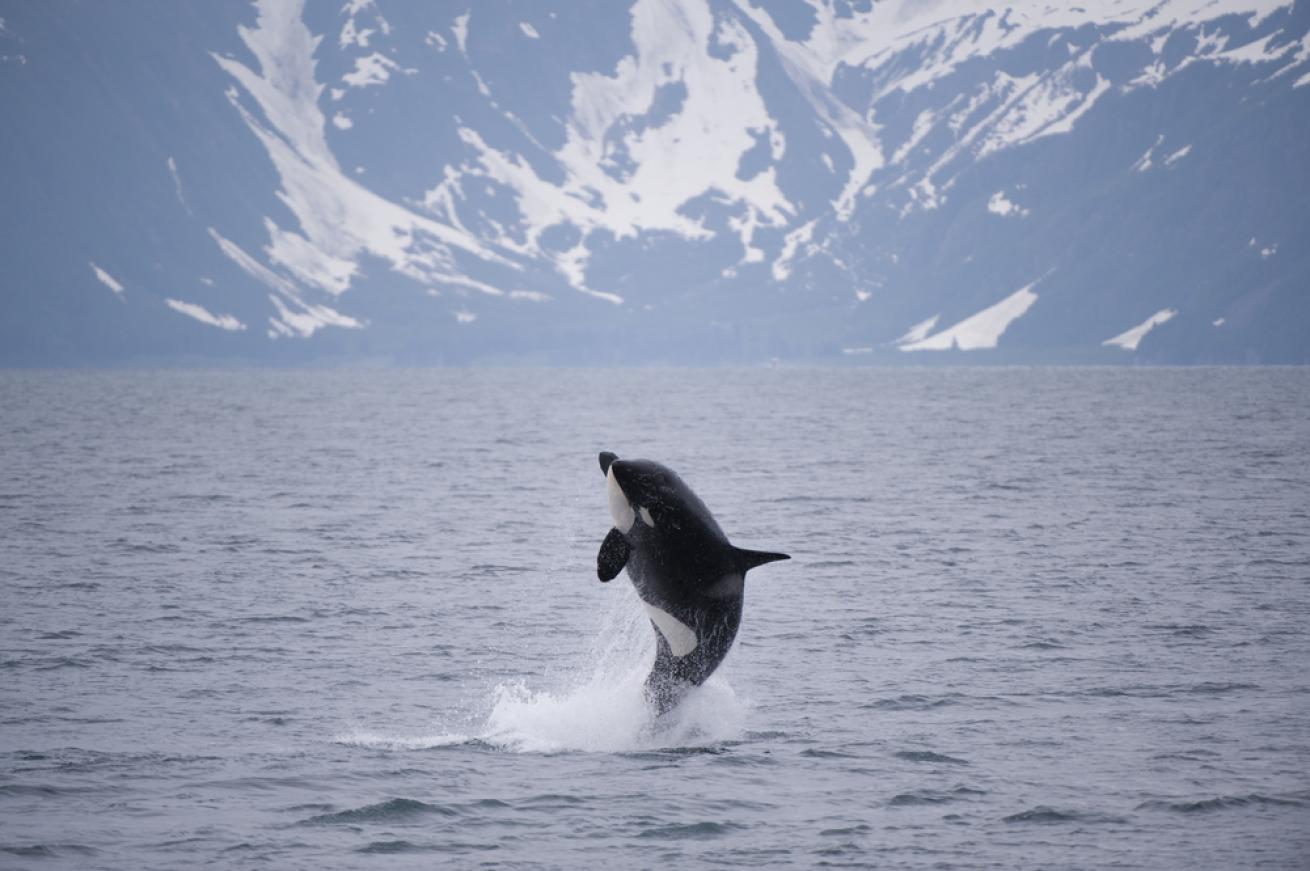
749,559
613,556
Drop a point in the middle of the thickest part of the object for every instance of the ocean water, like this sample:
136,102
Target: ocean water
1034,618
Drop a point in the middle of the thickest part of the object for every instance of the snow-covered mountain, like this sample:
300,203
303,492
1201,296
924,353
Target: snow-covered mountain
655,181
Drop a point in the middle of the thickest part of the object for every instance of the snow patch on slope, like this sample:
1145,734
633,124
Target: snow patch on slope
1147,160
108,280
1129,339
200,313
626,172
919,331
911,45
177,183
295,316
982,330
370,70
339,219
1000,204
1177,155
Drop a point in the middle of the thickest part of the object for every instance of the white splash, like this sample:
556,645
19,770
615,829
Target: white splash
599,708
603,709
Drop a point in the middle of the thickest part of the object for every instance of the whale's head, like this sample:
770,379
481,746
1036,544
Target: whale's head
642,493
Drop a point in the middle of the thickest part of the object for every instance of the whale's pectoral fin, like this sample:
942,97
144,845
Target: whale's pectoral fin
613,556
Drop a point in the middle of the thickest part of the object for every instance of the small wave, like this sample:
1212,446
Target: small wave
47,851
932,796
378,741
846,831
1048,815
1041,814
401,847
1189,630
1223,802
552,801
817,753
929,756
690,831
390,811
1218,687
25,789
920,797
146,547
1044,644
385,847
494,569
1189,755
910,702
831,499
59,662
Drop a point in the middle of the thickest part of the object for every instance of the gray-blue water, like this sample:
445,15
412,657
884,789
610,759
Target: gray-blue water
1034,618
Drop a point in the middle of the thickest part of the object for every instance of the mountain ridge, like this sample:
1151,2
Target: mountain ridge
711,181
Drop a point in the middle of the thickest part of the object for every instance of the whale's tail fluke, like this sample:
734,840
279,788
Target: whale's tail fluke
749,559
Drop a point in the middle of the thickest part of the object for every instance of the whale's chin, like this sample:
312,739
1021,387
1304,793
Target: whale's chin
620,508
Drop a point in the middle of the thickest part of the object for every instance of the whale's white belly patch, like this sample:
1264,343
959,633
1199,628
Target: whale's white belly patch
620,507
682,639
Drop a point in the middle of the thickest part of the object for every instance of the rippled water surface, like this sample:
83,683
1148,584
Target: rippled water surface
1034,618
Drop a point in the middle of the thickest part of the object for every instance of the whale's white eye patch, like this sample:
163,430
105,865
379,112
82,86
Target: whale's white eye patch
620,507
645,515
682,639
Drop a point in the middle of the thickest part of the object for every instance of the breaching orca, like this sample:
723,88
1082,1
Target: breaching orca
685,571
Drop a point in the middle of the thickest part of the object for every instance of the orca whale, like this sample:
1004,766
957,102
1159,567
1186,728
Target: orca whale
690,578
